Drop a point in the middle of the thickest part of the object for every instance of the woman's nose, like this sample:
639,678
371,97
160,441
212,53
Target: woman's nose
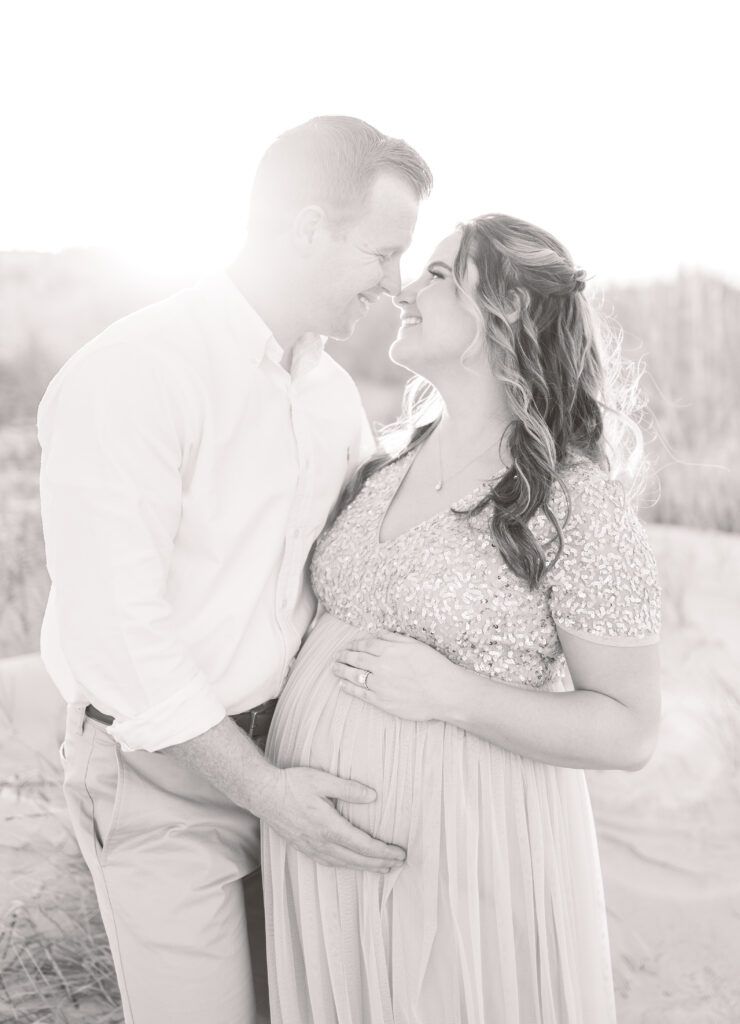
404,298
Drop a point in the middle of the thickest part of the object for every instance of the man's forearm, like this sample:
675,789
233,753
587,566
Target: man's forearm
299,803
231,762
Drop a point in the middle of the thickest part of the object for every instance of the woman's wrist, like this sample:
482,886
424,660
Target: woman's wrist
456,697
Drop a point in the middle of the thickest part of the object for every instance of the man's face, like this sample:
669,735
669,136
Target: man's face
354,265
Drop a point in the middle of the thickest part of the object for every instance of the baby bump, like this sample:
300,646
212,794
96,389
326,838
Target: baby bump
317,725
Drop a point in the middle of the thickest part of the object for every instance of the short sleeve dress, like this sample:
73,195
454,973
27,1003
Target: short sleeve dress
498,913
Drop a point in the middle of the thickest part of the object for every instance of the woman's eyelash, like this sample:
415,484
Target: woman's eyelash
436,273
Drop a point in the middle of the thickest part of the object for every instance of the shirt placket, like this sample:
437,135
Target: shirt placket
291,574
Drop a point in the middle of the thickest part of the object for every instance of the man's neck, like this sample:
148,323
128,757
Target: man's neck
269,296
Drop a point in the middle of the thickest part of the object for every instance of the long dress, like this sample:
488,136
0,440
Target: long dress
497,915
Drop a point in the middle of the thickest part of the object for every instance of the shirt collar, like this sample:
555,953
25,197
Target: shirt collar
306,354
252,332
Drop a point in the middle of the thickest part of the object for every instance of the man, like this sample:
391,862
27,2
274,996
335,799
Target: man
191,454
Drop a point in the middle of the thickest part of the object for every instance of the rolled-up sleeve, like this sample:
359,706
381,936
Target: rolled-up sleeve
114,430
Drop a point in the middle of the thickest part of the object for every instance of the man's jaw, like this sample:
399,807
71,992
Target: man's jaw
368,299
365,301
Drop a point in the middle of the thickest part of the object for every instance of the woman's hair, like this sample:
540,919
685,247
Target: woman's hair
333,162
570,396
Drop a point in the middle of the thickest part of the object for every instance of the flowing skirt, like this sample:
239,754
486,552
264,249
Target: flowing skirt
496,917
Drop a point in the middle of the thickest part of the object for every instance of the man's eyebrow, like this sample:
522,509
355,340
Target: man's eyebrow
439,263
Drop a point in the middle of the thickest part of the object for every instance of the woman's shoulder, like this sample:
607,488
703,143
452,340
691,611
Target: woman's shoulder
584,487
372,491
583,475
604,582
597,518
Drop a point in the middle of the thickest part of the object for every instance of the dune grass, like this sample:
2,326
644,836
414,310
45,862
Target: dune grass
24,582
55,964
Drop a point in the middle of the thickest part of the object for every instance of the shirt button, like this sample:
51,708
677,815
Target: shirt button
296,532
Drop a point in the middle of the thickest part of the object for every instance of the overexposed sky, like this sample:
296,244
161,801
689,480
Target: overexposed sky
137,125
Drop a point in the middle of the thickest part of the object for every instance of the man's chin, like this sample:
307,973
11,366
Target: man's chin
343,333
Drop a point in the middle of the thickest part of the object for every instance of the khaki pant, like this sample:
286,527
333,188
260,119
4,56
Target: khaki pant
176,871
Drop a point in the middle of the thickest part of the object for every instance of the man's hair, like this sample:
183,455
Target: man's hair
331,162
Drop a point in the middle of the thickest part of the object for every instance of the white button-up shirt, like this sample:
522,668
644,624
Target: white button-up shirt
185,475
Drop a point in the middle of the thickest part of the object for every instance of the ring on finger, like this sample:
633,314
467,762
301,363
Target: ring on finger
364,676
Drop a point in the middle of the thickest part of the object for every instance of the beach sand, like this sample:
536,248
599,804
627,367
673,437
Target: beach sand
669,835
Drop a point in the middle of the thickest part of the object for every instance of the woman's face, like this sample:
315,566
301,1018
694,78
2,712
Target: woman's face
437,324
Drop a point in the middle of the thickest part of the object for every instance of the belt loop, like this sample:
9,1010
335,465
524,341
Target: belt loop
75,718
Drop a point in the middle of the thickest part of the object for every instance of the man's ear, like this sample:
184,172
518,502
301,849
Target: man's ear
307,223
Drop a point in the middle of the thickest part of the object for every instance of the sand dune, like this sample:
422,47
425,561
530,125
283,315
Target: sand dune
669,835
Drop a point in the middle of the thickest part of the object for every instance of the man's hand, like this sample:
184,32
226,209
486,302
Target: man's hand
296,802
299,806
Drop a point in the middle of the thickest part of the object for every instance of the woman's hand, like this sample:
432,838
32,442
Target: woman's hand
397,674
609,719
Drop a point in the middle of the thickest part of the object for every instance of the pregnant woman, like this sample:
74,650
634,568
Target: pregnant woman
489,628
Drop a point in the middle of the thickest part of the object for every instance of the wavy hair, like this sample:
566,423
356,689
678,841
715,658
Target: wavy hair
571,397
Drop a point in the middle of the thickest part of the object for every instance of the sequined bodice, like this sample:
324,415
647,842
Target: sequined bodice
444,583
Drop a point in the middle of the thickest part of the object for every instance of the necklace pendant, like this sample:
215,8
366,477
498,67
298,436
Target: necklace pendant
439,485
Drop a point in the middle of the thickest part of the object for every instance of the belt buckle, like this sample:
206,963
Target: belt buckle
253,715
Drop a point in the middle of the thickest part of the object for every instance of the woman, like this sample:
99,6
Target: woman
464,572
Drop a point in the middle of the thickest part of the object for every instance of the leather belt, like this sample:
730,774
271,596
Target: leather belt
98,716
255,722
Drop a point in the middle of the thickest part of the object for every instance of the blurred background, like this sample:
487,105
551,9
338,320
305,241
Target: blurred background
130,133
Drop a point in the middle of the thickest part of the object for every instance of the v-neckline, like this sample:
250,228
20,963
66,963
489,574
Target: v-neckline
380,543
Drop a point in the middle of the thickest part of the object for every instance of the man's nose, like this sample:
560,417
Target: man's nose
391,280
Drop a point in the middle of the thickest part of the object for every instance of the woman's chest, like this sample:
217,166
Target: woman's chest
443,582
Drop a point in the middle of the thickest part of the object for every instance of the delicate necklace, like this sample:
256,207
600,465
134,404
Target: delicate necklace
444,480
